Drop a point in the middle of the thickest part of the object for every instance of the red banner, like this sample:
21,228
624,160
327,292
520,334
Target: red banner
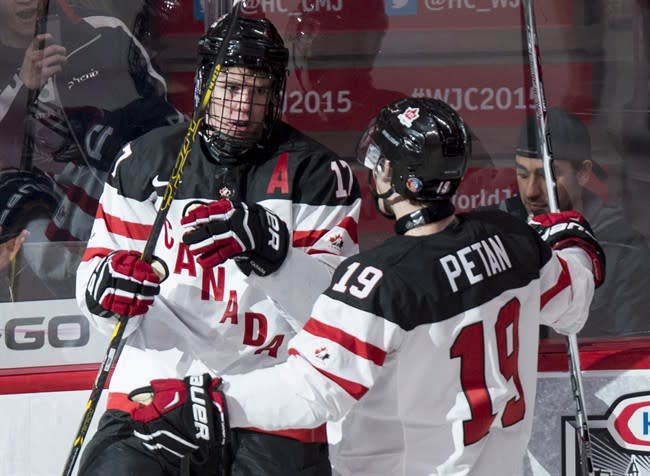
486,96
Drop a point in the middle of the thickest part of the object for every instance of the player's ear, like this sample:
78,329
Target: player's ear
584,172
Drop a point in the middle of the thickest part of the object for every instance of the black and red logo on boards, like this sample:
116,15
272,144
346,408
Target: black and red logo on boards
620,440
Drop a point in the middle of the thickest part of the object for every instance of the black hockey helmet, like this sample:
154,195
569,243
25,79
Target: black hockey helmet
24,196
427,144
256,45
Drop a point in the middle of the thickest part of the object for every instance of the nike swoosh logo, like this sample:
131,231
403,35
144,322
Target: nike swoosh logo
156,182
175,400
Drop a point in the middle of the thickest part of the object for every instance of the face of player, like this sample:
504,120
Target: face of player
17,21
239,103
532,184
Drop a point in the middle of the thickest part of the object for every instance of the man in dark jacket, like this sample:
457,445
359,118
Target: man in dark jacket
620,305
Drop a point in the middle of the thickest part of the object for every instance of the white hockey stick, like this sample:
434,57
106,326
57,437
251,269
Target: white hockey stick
544,141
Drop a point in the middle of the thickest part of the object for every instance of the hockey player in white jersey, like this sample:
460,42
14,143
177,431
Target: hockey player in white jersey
427,344
254,189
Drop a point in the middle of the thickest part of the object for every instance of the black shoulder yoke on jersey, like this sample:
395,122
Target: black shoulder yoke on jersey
432,278
297,169
316,175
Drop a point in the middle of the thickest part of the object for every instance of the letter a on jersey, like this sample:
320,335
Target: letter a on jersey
280,176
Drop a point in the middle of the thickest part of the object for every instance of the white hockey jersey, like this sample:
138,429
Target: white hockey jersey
218,320
431,345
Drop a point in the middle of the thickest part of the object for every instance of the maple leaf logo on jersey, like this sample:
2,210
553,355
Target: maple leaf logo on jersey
321,353
336,240
225,192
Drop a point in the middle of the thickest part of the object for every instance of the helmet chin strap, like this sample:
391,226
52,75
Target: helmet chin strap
437,211
384,195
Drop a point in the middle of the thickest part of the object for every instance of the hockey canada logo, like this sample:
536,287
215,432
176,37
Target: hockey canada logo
321,353
336,241
408,116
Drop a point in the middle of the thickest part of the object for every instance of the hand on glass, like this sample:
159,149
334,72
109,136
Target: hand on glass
9,249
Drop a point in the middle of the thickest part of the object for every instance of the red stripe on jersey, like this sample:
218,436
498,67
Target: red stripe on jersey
351,226
305,239
91,253
563,282
354,389
348,341
309,238
319,252
115,225
80,198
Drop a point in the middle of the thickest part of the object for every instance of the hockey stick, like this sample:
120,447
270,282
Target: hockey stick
170,190
544,141
26,156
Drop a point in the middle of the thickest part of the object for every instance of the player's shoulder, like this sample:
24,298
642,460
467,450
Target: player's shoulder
144,159
496,218
391,281
315,174
386,262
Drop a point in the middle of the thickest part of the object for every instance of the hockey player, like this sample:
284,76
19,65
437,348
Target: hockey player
254,189
429,340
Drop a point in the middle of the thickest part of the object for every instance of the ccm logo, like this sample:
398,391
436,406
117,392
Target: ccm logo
28,333
629,422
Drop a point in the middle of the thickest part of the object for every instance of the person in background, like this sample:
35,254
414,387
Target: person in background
426,344
74,90
620,304
254,189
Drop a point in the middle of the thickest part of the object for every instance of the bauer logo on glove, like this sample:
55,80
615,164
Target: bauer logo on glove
183,417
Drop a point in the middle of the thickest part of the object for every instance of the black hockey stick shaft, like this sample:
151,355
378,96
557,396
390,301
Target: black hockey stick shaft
147,255
27,152
544,141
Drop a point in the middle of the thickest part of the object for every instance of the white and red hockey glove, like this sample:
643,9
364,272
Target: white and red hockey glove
123,284
256,238
184,418
565,229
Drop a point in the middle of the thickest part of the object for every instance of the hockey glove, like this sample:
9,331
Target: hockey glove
566,229
124,284
256,238
185,417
